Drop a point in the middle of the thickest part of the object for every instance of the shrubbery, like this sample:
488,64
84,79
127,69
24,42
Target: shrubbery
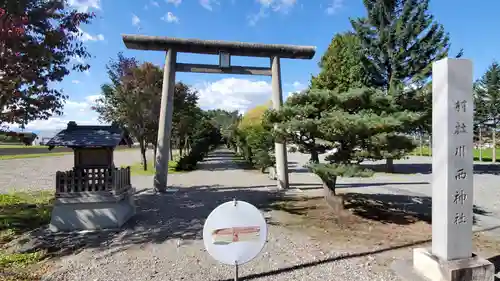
206,138
256,145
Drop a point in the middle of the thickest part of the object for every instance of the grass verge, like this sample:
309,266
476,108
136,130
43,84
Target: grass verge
21,212
34,155
486,157
6,146
48,154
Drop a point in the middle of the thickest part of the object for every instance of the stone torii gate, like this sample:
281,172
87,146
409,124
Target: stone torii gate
225,50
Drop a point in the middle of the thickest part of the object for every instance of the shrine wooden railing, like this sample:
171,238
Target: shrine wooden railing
93,180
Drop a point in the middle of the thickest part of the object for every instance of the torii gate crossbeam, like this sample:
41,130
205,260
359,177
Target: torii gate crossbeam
224,49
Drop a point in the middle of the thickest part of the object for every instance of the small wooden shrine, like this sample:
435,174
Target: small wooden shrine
94,179
94,169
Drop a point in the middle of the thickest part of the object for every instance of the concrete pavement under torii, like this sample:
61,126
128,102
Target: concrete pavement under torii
225,50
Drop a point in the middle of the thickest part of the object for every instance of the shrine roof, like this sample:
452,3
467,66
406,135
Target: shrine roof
90,136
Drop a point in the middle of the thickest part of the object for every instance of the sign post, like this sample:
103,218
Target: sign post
235,233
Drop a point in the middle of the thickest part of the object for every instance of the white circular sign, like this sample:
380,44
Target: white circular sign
235,233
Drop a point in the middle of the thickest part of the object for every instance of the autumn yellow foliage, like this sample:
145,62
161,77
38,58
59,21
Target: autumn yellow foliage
254,116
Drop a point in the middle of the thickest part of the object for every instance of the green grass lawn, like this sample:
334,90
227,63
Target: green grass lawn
137,169
33,155
37,155
487,153
20,146
21,212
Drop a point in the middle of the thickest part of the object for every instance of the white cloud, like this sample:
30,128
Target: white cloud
233,94
85,5
84,36
135,20
208,4
86,72
170,17
334,7
154,3
75,81
240,94
174,2
282,6
79,111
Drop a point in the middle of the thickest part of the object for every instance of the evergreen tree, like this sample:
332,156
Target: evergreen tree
487,101
298,122
400,40
357,122
341,65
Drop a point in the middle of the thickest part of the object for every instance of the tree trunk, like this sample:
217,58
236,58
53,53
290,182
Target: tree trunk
186,144
389,165
415,152
480,145
334,201
155,146
314,157
421,146
494,139
142,145
430,146
171,154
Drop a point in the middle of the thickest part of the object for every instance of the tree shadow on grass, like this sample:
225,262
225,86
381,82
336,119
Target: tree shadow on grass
397,209
426,168
384,208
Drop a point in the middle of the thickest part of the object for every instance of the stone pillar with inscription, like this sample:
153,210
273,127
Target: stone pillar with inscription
451,257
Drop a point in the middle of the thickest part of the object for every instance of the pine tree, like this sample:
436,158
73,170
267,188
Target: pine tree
298,122
487,101
400,41
356,122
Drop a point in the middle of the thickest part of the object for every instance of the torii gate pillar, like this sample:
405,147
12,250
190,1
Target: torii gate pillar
279,147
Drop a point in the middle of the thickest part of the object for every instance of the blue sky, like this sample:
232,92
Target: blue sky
300,22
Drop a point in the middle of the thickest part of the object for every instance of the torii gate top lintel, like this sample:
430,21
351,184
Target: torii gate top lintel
214,47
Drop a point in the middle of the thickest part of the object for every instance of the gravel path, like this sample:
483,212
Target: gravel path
163,242
40,173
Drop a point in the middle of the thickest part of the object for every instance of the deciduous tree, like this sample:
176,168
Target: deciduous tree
38,41
132,99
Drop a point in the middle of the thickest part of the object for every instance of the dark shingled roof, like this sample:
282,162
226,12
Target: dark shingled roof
90,136
198,46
